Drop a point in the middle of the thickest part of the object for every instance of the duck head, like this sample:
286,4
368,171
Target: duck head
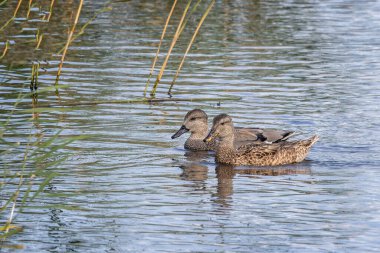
222,127
195,121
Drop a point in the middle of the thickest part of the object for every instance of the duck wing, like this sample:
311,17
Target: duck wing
262,134
259,149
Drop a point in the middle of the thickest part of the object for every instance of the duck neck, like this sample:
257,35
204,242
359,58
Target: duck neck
225,150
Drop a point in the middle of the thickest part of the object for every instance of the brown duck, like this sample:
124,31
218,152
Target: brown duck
273,154
195,122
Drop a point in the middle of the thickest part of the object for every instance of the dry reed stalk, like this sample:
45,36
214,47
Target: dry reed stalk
14,15
159,46
39,40
191,43
175,38
50,10
29,7
68,41
5,49
191,12
83,28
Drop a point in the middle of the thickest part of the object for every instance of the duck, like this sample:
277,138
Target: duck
196,122
266,154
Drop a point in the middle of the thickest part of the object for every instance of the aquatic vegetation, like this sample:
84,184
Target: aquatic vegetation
27,165
180,27
68,41
5,49
13,17
159,45
45,13
34,76
190,44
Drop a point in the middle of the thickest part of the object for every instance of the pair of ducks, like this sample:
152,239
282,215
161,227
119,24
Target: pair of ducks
242,146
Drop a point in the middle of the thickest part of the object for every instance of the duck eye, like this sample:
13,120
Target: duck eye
192,119
222,124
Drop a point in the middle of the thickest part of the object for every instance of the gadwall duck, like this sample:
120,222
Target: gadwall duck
252,154
195,122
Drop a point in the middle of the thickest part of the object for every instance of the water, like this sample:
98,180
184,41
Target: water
308,66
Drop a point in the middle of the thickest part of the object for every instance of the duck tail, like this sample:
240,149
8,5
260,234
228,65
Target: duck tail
287,135
310,142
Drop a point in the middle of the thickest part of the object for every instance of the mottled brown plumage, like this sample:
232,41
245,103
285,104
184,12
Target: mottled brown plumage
195,121
252,154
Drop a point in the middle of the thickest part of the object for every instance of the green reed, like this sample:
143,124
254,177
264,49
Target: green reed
5,49
13,17
28,165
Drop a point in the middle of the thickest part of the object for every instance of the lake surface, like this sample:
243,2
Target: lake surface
309,66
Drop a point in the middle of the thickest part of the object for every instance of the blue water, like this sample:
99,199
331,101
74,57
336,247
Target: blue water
309,66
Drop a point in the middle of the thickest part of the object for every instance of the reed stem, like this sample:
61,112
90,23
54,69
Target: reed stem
3,2
68,41
175,38
159,46
191,43
5,49
13,17
50,10
29,7
83,28
188,17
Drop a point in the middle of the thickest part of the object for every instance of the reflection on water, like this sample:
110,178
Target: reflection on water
307,66
226,173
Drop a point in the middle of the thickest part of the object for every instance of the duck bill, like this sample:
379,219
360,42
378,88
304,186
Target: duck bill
180,132
211,135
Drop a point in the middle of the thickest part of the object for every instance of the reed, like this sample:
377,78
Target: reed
39,37
191,43
162,37
159,45
29,7
34,76
5,49
190,14
106,8
180,27
3,2
68,41
50,10
174,41
13,17
27,167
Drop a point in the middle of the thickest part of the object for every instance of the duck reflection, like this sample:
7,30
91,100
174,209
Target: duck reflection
197,173
196,156
225,174
193,170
